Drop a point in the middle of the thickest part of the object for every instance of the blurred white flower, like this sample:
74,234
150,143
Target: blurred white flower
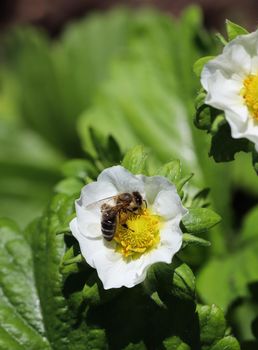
149,236
231,82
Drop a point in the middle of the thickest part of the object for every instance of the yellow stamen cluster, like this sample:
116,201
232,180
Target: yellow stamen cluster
250,94
137,233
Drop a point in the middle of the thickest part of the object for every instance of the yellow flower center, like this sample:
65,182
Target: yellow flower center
250,94
137,233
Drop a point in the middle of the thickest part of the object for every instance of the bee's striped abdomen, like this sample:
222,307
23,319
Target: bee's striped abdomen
108,228
108,225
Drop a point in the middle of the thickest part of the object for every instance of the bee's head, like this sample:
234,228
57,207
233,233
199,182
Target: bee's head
138,198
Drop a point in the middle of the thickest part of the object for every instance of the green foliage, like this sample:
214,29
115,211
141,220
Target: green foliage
62,299
171,280
134,107
235,271
175,343
121,72
213,330
233,30
131,108
21,318
200,220
199,64
35,308
79,168
171,170
190,239
226,343
135,160
44,86
28,170
74,69
65,290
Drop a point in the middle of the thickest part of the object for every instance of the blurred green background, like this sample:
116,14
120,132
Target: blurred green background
67,71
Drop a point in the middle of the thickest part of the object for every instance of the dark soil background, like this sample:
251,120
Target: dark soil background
53,15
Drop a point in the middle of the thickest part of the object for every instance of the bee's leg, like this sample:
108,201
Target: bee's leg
145,202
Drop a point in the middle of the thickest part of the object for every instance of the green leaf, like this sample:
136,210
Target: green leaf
22,323
95,340
183,283
72,68
59,300
193,240
200,220
203,118
139,346
212,325
182,181
234,271
171,280
220,38
175,343
29,168
79,168
69,186
235,280
227,343
249,230
218,121
135,160
233,30
199,64
171,170
48,249
200,199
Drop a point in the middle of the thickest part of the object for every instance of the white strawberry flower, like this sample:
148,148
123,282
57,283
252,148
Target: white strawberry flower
231,82
151,236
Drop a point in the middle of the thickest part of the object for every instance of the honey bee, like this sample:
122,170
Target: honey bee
124,202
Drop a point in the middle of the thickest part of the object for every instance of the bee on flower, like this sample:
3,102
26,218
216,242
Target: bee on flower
231,83
125,223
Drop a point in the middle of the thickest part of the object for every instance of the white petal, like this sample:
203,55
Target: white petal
120,272
121,179
251,132
248,129
254,65
171,236
89,221
225,94
234,62
153,185
168,205
92,248
238,126
96,191
248,41
238,58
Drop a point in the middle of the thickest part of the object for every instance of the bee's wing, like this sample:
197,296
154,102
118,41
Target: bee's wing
109,201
